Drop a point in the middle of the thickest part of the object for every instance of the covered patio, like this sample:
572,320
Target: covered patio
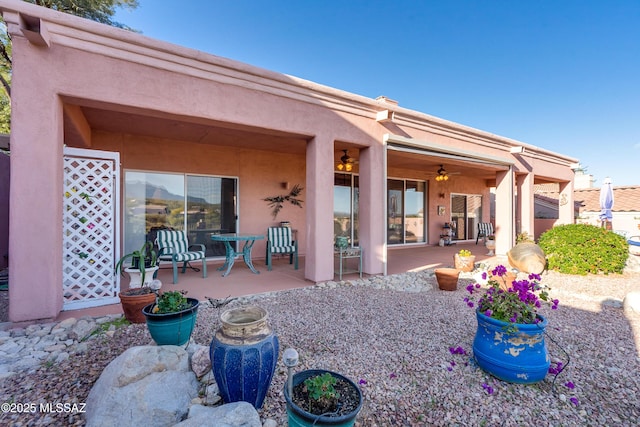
242,282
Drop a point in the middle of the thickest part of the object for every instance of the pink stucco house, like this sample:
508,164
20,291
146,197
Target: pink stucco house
114,133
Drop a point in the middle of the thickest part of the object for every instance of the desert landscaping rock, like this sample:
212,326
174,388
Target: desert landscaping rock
238,414
146,385
391,335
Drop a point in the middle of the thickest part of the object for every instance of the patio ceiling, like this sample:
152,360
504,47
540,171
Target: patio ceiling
150,123
167,126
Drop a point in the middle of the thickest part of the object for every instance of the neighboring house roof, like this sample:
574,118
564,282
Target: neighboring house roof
626,199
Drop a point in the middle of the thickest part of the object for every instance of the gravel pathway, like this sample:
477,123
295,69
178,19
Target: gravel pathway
396,343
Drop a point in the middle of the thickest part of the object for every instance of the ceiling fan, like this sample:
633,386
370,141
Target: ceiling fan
443,175
346,162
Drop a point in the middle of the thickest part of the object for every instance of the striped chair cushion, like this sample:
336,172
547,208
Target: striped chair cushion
189,256
485,229
280,240
174,244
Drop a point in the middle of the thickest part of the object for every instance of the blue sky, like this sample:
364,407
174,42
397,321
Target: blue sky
563,75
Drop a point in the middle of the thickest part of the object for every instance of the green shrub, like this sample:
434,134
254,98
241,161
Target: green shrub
582,249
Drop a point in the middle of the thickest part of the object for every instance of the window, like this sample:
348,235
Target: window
345,206
199,204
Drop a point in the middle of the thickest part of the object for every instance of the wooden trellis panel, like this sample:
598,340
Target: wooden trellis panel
89,228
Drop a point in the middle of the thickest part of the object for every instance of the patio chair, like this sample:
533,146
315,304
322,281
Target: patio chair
279,241
173,246
484,229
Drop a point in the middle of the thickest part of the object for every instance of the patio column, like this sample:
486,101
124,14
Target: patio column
35,220
372,218
526,208
566,211
505,232
319,209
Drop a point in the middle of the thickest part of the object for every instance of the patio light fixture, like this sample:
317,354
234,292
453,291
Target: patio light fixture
442,175
346,162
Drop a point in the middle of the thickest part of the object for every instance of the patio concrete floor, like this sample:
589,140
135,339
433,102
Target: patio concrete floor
241,281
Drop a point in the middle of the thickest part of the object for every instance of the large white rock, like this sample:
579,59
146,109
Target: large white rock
527,257
230,415
147,385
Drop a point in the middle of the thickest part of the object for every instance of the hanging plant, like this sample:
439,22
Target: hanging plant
276,202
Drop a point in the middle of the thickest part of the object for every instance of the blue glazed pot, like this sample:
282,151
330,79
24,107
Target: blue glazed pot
298,417
519,357
244,355
172,328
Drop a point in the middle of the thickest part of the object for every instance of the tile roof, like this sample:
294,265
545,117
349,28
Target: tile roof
626,199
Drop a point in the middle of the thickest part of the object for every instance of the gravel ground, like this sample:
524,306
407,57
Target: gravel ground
396,345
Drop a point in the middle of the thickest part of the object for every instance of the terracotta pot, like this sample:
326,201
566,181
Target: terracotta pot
464,263
447,278
132,306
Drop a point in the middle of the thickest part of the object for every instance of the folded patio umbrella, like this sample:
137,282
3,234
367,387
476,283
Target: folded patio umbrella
606,201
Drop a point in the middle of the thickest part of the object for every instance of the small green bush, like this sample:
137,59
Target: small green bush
582,249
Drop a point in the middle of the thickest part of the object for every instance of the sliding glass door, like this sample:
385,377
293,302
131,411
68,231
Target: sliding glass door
405,216
199,204
466,213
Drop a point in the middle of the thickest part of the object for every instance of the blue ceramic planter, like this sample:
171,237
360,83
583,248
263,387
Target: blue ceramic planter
298,417
519,357
172,328
244,355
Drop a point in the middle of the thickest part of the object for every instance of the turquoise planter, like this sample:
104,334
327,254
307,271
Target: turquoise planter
172,328
298,417
519,357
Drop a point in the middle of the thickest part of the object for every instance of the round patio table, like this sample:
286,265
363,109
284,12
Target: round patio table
248,239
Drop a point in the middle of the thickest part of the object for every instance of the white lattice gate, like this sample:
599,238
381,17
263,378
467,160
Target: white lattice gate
90,224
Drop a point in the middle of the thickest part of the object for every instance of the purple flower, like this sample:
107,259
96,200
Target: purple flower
555,370
500,270
488,313
487,388
575,401
569,385
449,368
362,381
392,375
452,363
457,350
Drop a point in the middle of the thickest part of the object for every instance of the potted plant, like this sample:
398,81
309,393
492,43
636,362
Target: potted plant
509,342
142,260
322,398
171,318
141,290
464,261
